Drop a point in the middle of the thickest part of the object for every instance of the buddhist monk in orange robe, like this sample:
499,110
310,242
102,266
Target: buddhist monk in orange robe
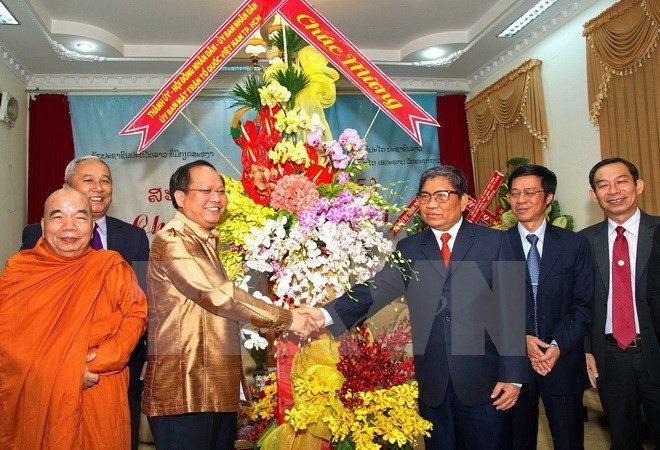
69,318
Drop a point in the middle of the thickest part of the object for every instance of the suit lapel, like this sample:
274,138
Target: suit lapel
551,251
518,250
601,254
431,252
516,243
115,235
644,244
464,240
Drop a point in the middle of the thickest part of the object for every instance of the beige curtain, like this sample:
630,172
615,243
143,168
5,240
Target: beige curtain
507,120
623,68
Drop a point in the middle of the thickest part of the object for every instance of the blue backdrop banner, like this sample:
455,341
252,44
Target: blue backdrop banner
140,181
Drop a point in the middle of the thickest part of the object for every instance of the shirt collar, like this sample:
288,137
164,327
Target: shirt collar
539,232
453,231
103,225
631,225
199,230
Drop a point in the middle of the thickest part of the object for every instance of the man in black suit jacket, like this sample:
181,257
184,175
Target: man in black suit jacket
653,290
91,176
559,315
468,332
628,379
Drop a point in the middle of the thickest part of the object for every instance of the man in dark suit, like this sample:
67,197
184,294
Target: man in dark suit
622,350
653,290
91,176
559,312
468,330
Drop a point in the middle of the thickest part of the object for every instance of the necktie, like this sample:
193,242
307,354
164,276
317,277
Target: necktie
534,267
96,243
623,315
445,251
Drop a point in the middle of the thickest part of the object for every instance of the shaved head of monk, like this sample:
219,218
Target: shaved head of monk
67,222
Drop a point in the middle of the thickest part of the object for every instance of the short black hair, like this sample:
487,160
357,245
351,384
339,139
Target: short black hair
180,179
548,177
631,168
455,176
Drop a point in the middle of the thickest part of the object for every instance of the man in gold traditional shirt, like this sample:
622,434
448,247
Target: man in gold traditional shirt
69,318
191,393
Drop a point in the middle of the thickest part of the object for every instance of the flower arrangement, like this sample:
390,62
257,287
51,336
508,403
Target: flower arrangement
364,397
296,214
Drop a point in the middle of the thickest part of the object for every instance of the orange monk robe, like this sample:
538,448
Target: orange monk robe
53,312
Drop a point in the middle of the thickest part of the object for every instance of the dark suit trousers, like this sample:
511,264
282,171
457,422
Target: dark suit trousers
459,427
564,414
198,431
627,388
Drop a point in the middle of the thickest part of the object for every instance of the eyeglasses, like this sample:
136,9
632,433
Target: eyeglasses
528,192
438,196
207,192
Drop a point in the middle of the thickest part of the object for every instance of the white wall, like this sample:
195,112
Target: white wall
574,145
13,163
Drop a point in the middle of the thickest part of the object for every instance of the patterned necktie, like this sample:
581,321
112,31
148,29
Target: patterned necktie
534,267
623,315
96,243
445,250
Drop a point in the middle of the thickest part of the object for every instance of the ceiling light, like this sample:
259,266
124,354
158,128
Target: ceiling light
433,53
526,18
85,46
6,18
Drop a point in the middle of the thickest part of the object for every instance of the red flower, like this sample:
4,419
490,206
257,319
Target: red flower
368,364
319,174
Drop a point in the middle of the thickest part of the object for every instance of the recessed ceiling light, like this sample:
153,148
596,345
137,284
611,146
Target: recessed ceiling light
85,46
6,18
433,53
526,18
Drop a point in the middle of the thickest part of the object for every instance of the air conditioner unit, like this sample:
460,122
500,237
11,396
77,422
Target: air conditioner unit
8,109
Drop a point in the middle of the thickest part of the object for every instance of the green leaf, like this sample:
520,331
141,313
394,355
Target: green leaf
293,42
247,94
293,79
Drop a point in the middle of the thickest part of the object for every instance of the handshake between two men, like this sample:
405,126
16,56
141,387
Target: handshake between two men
307,321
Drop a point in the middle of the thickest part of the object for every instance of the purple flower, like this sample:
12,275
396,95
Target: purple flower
343,177
314,139
349,135
308,218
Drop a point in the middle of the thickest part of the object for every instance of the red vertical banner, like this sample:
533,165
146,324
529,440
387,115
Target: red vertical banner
405,217
200,68
356,67
478,208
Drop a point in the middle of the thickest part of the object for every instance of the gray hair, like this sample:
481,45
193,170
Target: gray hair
455,176
71,167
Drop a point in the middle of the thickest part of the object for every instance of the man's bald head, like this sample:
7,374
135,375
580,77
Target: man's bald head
67,222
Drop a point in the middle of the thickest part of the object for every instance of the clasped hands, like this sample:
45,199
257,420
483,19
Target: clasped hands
307,321
542,361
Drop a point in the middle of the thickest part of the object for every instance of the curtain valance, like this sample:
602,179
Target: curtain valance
621,40
516,97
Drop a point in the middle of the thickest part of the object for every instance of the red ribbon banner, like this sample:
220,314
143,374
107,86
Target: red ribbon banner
200,68
405,216
347,59
477,208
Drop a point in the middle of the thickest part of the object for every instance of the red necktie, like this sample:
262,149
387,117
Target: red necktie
445,251
623,315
